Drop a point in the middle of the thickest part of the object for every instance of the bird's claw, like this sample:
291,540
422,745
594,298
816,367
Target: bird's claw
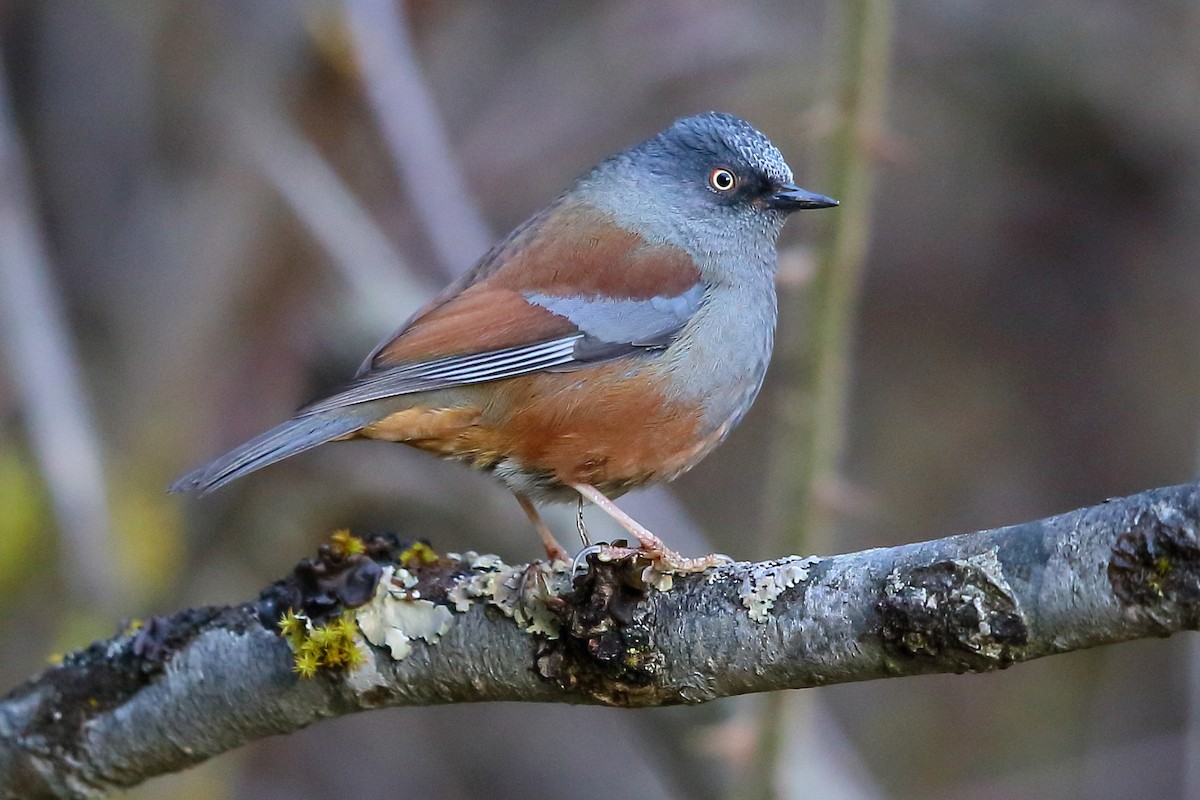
662,560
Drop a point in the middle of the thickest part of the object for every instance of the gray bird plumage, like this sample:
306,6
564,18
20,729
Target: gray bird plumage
709,344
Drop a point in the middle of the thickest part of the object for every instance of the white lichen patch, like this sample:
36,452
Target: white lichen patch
488,574
395,619
487,561
528,601
520,593
766,581
987,565
403,578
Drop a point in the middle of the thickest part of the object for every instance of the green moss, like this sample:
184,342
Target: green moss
333,645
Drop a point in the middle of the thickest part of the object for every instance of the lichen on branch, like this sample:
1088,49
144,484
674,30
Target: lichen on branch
403,625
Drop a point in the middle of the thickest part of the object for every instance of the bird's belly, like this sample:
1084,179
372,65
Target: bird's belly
609,426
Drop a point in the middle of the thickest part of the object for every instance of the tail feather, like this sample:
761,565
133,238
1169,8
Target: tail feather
294,436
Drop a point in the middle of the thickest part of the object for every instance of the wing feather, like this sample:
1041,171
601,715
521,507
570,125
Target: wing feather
443,373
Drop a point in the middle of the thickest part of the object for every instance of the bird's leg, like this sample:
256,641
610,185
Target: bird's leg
554,550
580,526
649,545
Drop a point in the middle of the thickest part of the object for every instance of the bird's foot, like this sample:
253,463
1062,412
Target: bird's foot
554,550
663,560
660,561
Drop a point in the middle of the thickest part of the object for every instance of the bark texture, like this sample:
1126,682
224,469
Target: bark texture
469,628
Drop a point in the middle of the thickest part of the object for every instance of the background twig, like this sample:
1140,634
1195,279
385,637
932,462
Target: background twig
410,124
37,342
384,288
817,338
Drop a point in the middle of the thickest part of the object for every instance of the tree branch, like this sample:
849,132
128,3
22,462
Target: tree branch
470,628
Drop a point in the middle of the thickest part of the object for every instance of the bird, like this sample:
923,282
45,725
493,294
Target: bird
609,342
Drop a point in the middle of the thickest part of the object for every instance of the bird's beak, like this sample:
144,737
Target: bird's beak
790,197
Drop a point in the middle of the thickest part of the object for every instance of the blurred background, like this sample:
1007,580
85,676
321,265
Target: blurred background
210,212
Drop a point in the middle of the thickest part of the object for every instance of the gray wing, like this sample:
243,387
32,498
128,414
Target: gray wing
608,328
443,373
615,327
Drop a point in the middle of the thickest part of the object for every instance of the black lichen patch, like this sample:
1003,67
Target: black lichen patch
604,648
956,613
343,575
1155,565
436,578
109,673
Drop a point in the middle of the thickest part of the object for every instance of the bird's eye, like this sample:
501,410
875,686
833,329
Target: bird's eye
722,179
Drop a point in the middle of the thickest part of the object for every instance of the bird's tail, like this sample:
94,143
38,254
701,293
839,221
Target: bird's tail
294,436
